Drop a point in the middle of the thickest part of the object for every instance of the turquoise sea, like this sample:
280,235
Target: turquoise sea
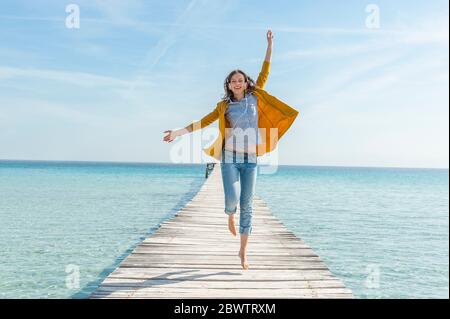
64,226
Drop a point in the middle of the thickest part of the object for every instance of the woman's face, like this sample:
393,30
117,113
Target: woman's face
237,84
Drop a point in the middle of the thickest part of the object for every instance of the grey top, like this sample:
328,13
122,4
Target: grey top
243,117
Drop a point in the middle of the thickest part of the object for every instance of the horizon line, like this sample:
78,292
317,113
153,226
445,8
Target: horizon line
136,162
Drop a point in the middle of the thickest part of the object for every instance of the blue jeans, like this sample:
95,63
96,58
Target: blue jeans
239,180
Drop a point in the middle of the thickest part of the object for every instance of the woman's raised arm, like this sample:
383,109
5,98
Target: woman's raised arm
269,45
264,74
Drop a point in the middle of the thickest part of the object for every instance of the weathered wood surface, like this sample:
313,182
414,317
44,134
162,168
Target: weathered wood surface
193,255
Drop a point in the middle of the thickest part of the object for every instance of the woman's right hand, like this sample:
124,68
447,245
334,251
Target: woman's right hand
171,135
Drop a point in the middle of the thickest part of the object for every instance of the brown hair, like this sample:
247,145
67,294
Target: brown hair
229,96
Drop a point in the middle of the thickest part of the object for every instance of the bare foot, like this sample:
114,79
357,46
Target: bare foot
244,262
231,225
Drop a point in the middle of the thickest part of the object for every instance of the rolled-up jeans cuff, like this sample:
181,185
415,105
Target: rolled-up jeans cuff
230,212
245,230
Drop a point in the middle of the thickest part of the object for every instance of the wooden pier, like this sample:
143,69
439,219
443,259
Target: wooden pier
193,255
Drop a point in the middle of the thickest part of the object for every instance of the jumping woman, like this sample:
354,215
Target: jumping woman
251,122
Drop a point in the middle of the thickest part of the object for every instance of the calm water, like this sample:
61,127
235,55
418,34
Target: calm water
58,217
383,231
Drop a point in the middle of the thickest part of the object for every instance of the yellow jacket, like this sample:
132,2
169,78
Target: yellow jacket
274,119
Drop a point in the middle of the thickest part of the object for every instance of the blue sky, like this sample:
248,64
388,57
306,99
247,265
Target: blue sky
108,90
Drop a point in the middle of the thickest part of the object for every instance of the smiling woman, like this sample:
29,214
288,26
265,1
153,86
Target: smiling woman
246,114
372,79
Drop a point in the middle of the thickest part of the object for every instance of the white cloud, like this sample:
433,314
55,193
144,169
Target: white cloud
119,11
194,11
332,51
75,78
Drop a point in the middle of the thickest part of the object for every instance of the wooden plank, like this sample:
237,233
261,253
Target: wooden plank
212,251
273,284
193,255
274,243
148,255
224,274
159,292
231,266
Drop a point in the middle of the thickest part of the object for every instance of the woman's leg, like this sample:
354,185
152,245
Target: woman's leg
248,173
231,187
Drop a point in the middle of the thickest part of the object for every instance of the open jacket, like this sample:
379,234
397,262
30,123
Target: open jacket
274,119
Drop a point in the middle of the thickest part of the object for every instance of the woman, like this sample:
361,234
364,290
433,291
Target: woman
251,122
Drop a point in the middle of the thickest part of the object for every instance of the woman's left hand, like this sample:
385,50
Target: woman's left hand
269,37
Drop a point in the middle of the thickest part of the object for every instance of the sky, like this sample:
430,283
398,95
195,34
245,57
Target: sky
369,92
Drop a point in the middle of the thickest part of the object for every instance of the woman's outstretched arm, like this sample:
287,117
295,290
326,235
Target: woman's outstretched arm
196,125
264,74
